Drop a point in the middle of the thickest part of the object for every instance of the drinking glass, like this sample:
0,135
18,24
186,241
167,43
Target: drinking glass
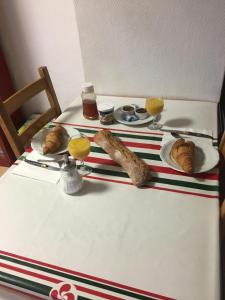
154,106
79,148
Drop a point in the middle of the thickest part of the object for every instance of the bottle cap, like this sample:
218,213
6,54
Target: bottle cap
87,87
105,107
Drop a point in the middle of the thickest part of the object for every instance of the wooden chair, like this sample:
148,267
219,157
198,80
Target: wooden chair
14,102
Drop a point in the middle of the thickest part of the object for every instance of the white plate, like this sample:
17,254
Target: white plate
119,118
38,140
206,156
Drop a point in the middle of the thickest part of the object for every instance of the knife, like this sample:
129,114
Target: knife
185,132
38,164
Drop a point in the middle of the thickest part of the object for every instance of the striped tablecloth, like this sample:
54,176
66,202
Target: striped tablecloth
147,146
48,281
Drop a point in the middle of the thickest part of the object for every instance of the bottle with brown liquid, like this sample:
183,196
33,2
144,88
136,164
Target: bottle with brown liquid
89,101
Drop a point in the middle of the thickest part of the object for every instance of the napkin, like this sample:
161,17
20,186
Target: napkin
167,135
34,172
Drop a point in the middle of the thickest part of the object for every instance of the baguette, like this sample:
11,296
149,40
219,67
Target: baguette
136,168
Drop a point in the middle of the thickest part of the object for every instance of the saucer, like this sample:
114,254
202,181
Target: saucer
118,116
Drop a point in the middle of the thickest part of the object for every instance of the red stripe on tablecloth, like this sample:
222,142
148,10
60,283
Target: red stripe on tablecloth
137,145
110,180
18,292
113,129
183,192
159,169
142,145
56,281
97,293
105,281
105,161
153,187
30,273
98,160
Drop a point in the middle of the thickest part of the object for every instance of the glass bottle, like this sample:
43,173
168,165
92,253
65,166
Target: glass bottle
89,101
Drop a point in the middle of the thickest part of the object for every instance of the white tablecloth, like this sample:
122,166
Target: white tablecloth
164,243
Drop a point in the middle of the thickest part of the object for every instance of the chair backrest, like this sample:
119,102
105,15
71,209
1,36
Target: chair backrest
15,101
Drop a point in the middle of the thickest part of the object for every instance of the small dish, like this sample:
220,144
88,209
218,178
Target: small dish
141,113
128,109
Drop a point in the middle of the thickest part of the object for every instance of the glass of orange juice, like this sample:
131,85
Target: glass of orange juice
79,148
154,107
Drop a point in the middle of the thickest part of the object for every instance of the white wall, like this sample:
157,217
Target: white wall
43,32
173,48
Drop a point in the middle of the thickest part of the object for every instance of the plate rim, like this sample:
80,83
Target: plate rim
143,121
193,140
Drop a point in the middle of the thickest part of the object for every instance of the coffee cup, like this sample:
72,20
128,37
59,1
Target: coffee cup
128,109
141,113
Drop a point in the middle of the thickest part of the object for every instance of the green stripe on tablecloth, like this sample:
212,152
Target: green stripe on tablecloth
22,157
95,149
186,184
25,283
173,182
125,135
147,155
161,180
128,135
139,154
69,276
29,285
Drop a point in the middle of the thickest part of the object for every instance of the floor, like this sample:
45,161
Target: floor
2,170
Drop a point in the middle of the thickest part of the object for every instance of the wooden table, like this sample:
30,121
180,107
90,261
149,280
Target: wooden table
113,240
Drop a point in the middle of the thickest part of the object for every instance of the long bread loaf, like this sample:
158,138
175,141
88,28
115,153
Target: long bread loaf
136,168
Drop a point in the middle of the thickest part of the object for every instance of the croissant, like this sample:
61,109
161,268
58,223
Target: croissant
54,139
183,153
